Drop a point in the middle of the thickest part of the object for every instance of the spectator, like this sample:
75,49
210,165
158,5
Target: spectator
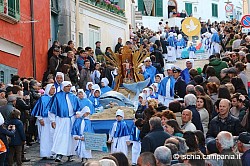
7,109
118,45
190,103
212,90
149,143
55,61
163,156
167,115
201,108
201,141
224,121
175,106
244,147
16,144
173,128
146,158
187,125
240,67
224,76
190,89
191,141
225,143
121,158
85,75
3,100
80,61
218,65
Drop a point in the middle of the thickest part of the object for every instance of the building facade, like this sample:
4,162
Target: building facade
24,38
204,9
88,21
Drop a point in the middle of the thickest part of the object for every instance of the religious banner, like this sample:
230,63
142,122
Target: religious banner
148,6
95,142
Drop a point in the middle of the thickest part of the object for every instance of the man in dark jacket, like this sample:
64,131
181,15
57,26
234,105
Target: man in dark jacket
54,61
118,45
85,75
244,147
180,85
224,121
8,108
155,138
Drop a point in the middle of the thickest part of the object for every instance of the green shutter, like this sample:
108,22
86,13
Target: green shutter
11,8
141,6
158,8
17,11
1,6
214,10
189,8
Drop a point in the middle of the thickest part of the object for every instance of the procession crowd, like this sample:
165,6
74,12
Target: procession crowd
191,116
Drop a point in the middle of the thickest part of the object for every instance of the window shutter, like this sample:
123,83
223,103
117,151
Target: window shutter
214,10
158,8
141,6
11,8
188,8
1,6
17,11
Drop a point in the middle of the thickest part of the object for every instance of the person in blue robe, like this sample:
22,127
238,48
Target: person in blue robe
143,71
119,134
151,93
155,88
171,45
63,108
88,89
82,125
84,101
192,51
95,99
45,130
136,147
185,73
151,70
166,90
105,88
180,44
215,42
58,81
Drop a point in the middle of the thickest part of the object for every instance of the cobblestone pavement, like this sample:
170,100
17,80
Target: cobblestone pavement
33,151
33,154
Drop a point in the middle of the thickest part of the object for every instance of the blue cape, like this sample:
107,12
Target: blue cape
121,129
105,89
77,126
86,102
59,106
41,109
92,99
163,84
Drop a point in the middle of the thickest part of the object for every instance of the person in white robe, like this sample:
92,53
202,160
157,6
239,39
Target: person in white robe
45,130
82,125
119,134
64,106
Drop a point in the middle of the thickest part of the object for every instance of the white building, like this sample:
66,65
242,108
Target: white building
204,9
88,21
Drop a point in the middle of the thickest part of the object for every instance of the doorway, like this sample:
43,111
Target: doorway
171,6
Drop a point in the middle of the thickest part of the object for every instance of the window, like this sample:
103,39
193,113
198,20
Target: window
54,6
158,8
1,76
189,8
94,35
10,8
195,9
80,39
214,10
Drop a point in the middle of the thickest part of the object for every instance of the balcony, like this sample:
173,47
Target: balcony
106,5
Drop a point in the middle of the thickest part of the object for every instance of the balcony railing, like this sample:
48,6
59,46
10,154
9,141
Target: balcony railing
107,5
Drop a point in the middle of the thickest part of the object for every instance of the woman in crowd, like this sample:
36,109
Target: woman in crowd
173,128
